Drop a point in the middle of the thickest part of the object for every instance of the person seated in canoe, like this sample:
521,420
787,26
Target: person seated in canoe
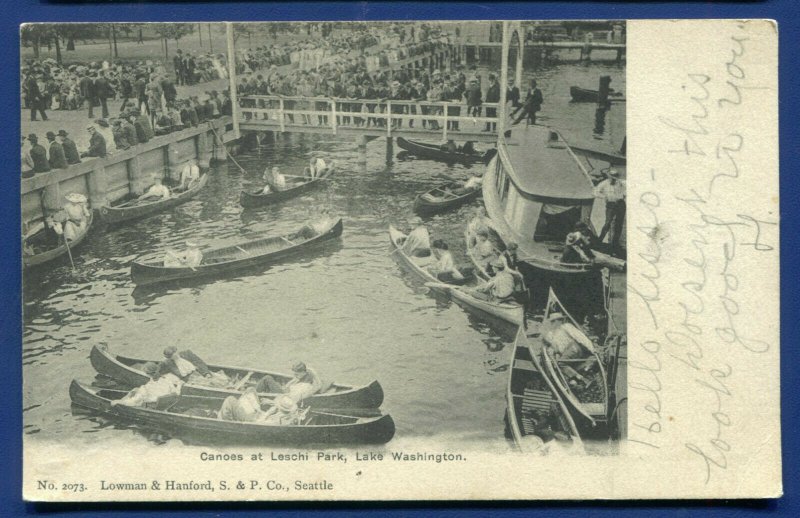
165,385
275,181
191,258
316,167
460,188
187,367
189,175
418,241
566,342
468,148
480,222
445,268
449,147
484,250
157,191
305,382
499,288
315,226
77,215
247,409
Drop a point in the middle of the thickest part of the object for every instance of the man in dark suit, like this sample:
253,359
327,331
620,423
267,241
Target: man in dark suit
38,155
141,133
492,96
97,144
129,130
512,94
177,64
35,97
190,66
87,92
70,149
102,91
57,158
532,104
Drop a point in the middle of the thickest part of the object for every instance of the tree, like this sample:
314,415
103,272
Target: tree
174,31
35,34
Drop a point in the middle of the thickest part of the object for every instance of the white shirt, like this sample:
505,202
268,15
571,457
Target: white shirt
189,173
280,181
610,192
474,182
158,191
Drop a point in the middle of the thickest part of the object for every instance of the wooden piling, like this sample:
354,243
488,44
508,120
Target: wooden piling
389,150
98,187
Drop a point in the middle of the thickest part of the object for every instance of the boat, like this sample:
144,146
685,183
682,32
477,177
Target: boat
508,312
333,395
435,152
442,198
137,209
194,418
295,187
226,259
586,403
584,95
535,190
536,416
39,239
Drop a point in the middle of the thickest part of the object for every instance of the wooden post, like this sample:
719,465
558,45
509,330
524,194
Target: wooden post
389,119
232,78
203,150
520,53
137,179
98,187
361,140
51,197
444,126
501,108
281,116
389,149
333,115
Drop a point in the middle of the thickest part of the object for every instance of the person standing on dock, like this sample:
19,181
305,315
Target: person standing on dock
512,94
612,190
87,92
35,98
533,103
492,96
57,159
102,91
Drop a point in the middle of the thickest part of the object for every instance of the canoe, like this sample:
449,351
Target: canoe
536,416
434,151
133,210
584,95
440,199
588,405
333,395
295,188
509,312
194,418
230,258
60,250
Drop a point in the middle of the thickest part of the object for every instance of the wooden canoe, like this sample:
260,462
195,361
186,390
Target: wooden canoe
194,418
334,395
440,199
536,415
509,312
294,188
433,151
60,250
587,404
230,258
134,209
584,95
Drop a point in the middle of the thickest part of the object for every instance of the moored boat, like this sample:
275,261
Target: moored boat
136,209
536,416
535,190
435,152
581,379
294,187
332,395
508,312
56,252
585,95
235,257
195,418
443,198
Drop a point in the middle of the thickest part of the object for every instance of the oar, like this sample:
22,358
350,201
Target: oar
69,252
242,250
356,412
439,285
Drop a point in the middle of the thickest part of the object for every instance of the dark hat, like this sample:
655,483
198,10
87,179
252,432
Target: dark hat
32,137
299,367
50,135
62,133
102,122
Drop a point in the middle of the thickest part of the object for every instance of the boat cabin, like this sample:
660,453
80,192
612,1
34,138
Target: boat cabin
535,190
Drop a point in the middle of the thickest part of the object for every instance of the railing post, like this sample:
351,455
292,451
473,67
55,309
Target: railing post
444,126
333,115
388,118
281,115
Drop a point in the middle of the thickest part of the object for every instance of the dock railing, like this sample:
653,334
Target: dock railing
283,113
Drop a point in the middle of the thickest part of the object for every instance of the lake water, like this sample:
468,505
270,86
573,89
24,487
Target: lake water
348,309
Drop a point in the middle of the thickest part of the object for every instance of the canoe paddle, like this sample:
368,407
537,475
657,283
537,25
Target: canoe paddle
69,252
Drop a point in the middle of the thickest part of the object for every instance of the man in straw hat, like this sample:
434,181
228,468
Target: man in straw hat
189,175
418,242
304,383
567,342
97,144
77,212
612,190
157,191
500,287
247,408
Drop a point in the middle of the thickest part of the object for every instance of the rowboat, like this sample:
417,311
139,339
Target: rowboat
54,253
587,403
333,395
509,312
584,95
536,416
442,198
435,152
194,418
296,187
236,257
136,209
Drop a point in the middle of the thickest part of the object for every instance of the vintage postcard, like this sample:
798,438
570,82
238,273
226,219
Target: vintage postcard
400,260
